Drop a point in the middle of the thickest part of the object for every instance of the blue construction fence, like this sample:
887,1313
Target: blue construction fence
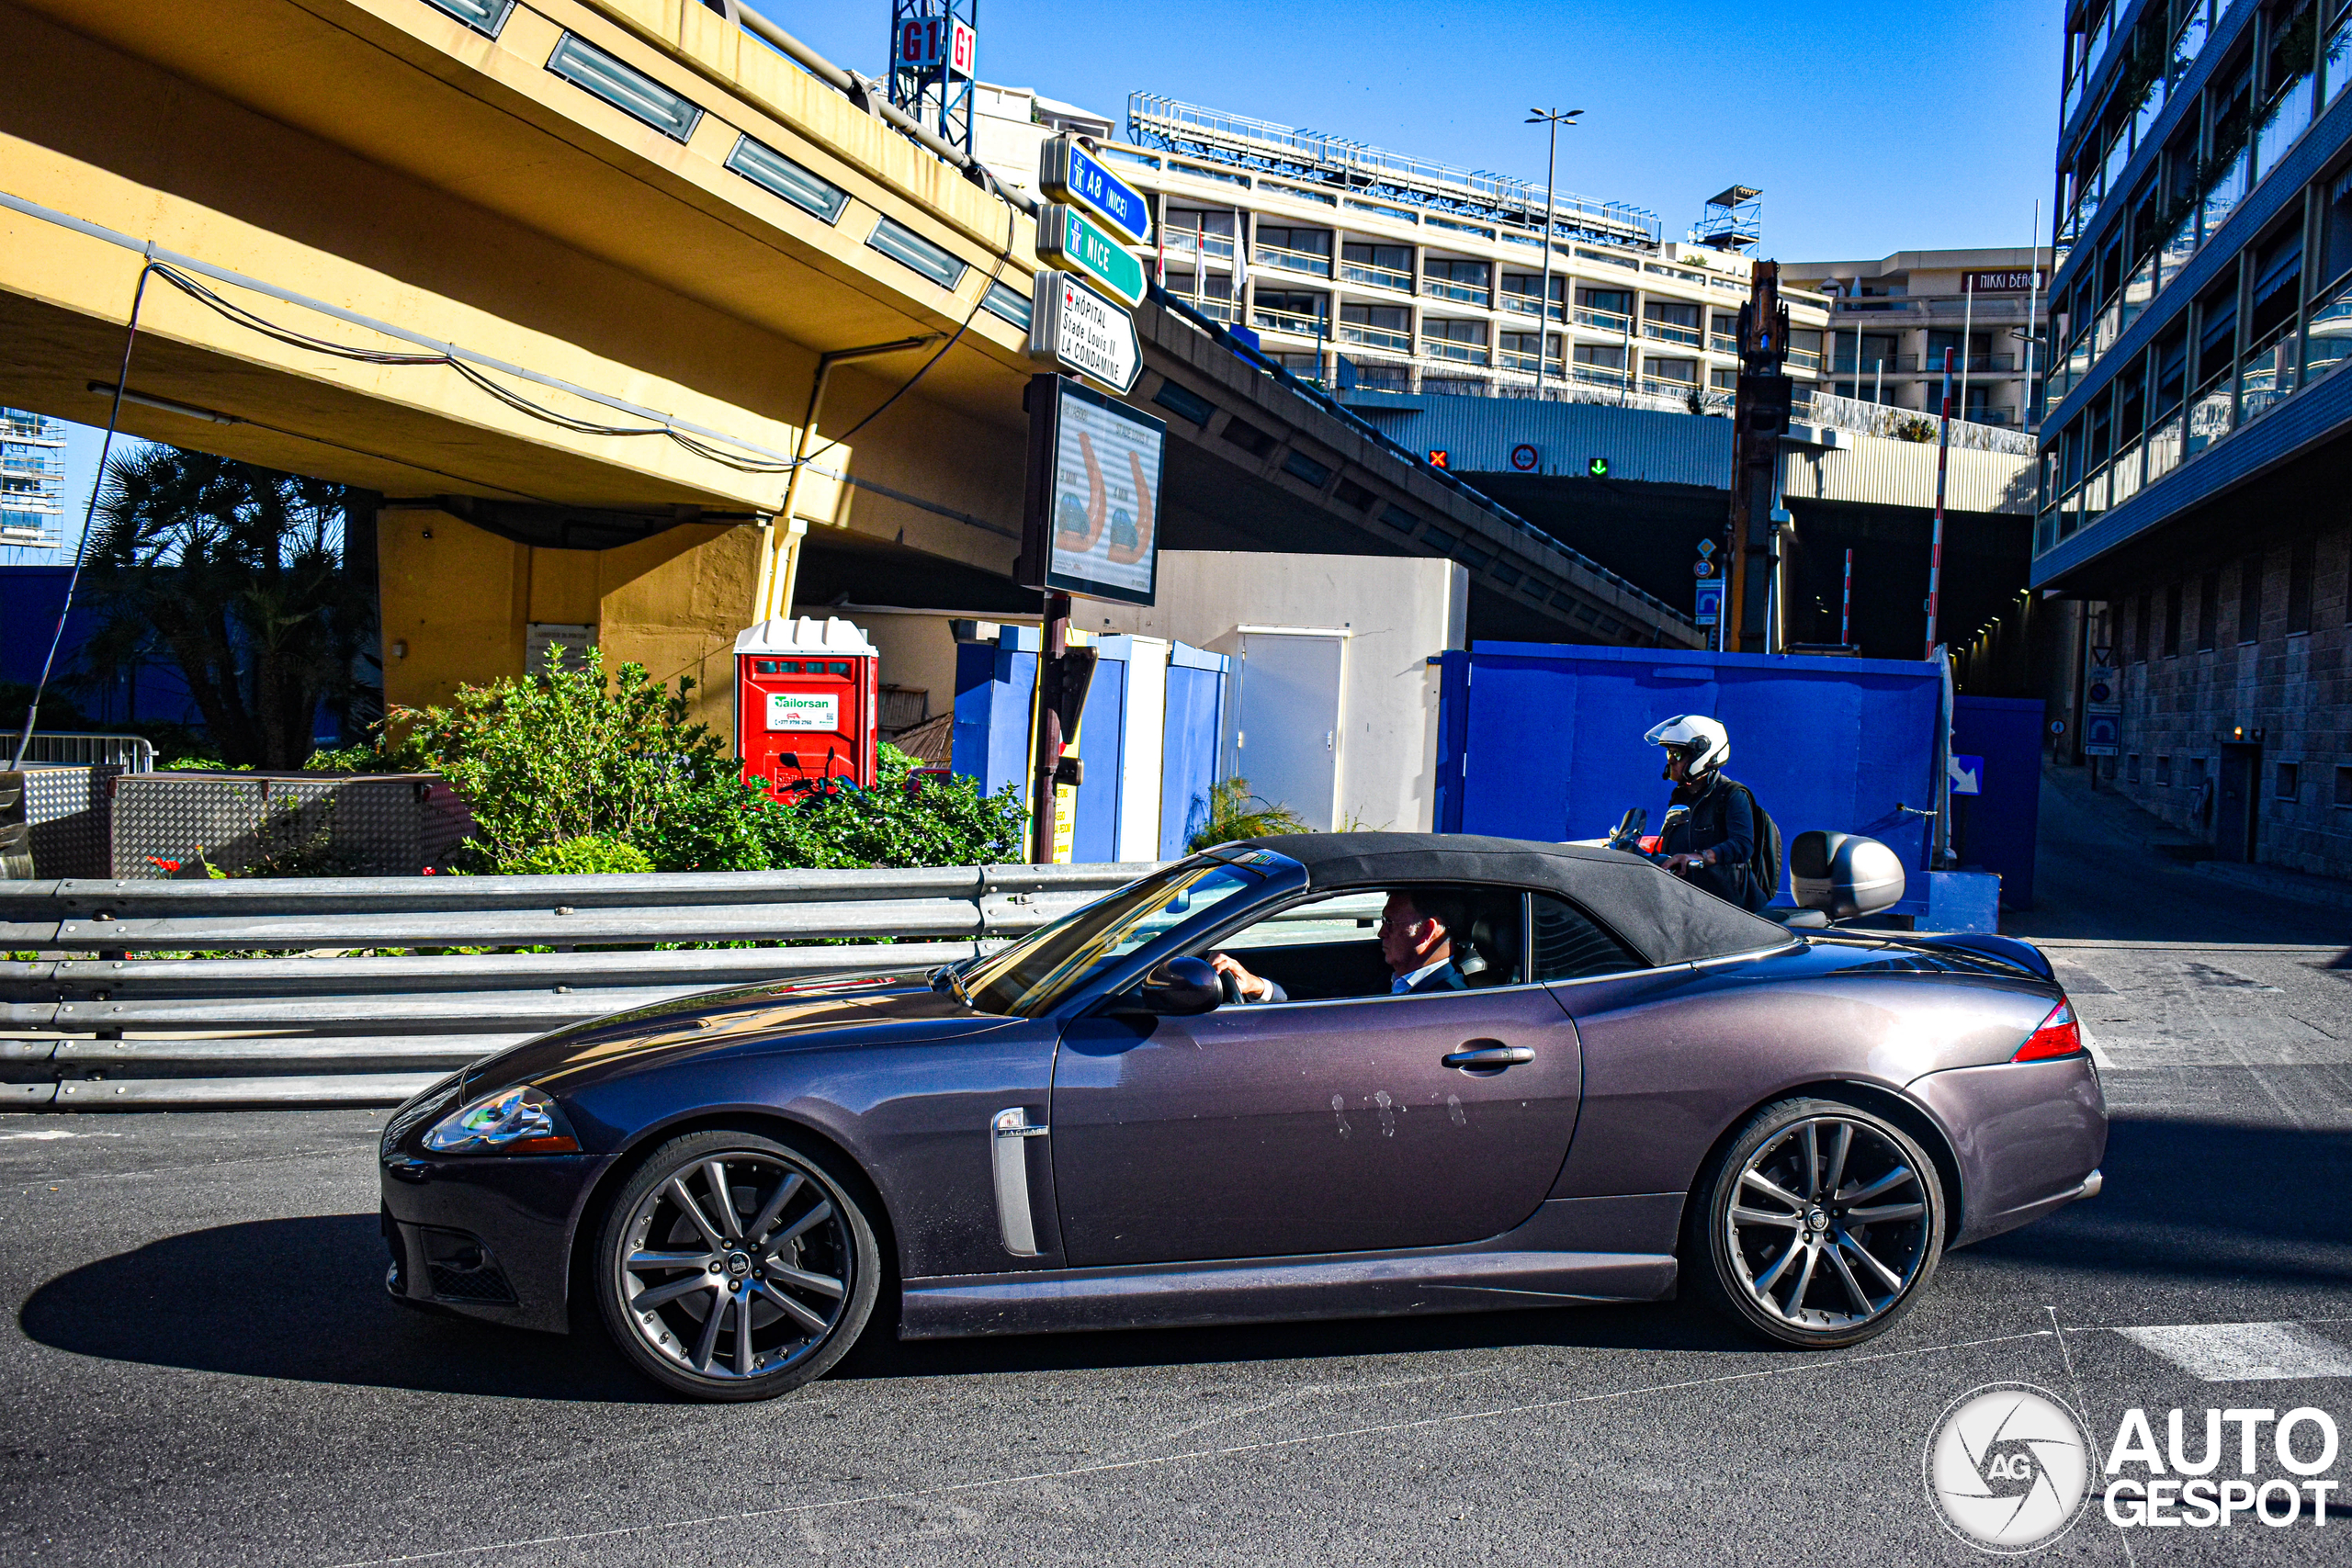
1543,740
1148,738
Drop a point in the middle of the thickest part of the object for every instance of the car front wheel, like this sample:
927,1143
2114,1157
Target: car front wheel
1819,1227
732,1266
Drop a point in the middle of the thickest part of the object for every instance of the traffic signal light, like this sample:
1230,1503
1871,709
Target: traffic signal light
1438,457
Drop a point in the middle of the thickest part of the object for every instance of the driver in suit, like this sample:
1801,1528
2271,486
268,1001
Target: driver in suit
1415,938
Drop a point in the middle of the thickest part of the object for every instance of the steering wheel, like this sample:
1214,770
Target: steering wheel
1230,987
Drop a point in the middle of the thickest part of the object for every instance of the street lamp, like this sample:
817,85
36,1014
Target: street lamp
1554,119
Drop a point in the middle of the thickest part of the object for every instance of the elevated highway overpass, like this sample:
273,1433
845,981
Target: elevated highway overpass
575,288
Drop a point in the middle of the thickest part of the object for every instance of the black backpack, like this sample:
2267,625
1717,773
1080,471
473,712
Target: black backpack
1764,864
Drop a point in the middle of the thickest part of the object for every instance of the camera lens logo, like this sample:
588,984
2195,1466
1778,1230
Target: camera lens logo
2007,1468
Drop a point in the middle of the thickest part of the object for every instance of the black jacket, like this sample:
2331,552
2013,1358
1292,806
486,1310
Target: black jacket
1720,817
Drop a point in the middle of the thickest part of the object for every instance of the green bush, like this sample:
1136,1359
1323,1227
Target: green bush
909,817
587,855
1235,812
549,761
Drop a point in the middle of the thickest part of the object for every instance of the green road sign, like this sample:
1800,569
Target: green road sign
1070,240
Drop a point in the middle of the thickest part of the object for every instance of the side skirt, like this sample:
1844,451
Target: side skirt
1536,1265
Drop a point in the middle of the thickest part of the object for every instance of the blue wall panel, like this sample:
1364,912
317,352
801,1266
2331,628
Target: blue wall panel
1196,715
1996,830
1553,750
1102,744
994,688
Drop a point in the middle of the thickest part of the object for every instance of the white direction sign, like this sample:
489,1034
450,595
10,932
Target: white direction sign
1072,326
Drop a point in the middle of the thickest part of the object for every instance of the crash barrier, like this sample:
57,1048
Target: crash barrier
123,1010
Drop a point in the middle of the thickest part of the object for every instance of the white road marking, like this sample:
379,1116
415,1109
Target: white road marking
46,1133
2099,1058
2245,1352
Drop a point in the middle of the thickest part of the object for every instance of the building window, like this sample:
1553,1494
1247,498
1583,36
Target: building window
2301,566
2136,649
2343,786
2196,773
2131,768
2290,781
2164,769
2250,598
2172,633
2208,611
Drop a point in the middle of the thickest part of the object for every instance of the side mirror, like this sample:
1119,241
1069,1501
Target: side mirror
1843,874
1181,987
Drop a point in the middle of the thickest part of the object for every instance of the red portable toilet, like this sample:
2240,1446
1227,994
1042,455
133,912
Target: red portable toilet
805,702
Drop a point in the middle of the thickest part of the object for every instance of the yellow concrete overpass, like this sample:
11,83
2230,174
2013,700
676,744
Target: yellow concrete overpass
559,286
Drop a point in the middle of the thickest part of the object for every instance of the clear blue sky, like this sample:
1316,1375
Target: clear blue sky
1871,129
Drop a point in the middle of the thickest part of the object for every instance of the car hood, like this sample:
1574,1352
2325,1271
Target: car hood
831,1011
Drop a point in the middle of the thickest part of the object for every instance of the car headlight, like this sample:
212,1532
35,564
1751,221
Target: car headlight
518,1120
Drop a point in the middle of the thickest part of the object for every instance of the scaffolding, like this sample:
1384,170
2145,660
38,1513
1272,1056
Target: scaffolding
1310,157
1733,220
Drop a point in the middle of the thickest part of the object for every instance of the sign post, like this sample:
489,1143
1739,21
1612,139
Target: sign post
1068,173
1090,527
1072,326
1070,240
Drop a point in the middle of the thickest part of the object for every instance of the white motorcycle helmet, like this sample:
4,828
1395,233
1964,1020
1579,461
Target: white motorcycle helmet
1703,745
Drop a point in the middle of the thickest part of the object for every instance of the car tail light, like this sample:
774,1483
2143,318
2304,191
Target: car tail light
2059,1035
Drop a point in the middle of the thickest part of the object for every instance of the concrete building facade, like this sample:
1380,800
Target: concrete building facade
2191,489
1893,319
1362,268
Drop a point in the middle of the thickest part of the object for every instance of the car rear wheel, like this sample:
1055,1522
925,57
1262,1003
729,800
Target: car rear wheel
1819,1227
732,1266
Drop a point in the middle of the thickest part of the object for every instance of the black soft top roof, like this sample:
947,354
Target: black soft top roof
1665,919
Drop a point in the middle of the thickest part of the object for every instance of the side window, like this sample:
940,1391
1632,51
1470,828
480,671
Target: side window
1331,947
1571,945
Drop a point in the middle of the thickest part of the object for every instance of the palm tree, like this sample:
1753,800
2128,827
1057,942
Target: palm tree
237,574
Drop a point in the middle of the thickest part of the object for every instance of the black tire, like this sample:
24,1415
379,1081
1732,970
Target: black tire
790,1267
1875,1233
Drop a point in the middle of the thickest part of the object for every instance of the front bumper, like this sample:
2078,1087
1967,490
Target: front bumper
486,1238
2029,1137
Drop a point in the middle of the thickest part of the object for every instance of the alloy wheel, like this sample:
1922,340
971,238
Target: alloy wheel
737,1264
1830,1225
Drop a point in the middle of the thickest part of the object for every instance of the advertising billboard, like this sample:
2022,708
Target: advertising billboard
1092,521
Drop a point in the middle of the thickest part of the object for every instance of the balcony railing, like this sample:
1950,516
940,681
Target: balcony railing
1448,348
2328,339
1292,321
2268,378
1376,337
1461,293
1600,375
1606,321
1373,276
1211,306
1514,359
1802,358
1724,343
1525,305
1666,387
1667,331
1185,242
1307,262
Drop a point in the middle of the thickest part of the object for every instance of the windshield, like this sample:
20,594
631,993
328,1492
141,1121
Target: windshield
1036,972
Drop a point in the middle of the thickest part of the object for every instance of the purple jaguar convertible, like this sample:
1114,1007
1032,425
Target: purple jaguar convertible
1328,1076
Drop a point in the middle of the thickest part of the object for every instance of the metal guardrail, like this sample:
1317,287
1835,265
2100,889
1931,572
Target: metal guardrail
133,753
324,1016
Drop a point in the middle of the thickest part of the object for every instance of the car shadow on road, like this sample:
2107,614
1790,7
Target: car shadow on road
303,1299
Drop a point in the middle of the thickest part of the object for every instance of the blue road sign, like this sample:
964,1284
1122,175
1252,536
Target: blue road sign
1967,774
1068,173
1710,601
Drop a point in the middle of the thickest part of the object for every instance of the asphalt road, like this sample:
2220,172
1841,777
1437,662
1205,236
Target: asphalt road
202,1366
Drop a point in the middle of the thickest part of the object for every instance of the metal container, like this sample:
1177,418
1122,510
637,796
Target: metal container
172,824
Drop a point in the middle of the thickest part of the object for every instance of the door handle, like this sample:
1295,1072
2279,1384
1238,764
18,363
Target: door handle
1489,1056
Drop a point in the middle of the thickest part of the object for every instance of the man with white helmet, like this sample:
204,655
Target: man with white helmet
1715,840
